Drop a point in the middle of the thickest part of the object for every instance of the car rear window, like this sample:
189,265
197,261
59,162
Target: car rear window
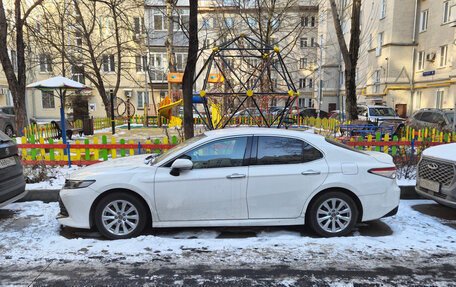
344,146
450,117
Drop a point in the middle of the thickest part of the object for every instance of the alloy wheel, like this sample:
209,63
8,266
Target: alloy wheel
120,217
334,215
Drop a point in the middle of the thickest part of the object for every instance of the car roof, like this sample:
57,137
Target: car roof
259,131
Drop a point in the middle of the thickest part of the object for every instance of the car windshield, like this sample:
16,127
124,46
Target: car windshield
382,112
450,116
179,147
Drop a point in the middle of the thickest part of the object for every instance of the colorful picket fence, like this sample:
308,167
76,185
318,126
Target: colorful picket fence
86,152
395,145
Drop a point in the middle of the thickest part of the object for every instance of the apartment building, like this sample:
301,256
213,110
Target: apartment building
406,54
56,45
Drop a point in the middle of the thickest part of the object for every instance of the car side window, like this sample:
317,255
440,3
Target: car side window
282,150
227,152
427,117
418,116
438,119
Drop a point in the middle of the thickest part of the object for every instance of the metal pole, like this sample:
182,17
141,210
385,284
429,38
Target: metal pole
113,124
319,76
128,112
62,117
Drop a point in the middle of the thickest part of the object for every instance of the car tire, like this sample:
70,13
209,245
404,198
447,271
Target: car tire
9,131
333,214
120,215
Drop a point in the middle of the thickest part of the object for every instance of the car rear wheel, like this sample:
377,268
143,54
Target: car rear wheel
9,131
120,215
333,214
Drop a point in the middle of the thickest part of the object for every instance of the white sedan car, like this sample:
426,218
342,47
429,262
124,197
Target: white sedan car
234,177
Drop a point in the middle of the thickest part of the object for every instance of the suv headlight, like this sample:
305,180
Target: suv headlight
73,184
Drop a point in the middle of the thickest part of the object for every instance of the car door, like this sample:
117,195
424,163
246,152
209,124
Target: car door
283,174
215,189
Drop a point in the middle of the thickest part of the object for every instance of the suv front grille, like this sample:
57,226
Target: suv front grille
438,171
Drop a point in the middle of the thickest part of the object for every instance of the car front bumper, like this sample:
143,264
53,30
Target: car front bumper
75,205
446,197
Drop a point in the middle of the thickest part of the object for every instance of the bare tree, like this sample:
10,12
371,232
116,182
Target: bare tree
101,40
189,72
350,54
16,82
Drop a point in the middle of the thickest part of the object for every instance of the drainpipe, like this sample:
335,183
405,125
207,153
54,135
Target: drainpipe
412,76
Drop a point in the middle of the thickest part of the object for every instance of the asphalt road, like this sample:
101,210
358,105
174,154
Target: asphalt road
159,274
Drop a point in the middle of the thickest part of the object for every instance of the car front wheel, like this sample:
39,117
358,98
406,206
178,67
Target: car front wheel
120,215
333,214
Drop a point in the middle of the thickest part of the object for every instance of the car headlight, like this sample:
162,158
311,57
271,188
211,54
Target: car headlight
73,184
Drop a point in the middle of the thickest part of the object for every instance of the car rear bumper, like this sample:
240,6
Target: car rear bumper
12,189
380,205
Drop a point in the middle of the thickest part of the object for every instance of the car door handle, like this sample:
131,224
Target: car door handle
310,172
235,175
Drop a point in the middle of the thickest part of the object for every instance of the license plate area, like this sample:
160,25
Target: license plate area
429,184
6,162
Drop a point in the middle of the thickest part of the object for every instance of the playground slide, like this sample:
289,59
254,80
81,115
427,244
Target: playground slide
165,111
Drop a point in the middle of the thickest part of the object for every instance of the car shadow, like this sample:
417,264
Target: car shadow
373,229
446,214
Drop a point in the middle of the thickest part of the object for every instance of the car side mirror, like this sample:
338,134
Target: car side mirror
180,164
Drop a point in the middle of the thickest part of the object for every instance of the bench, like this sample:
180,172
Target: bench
70,130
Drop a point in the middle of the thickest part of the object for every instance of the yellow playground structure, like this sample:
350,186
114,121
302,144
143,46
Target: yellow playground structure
174,99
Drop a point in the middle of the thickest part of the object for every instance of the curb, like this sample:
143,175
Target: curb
52,195
44,195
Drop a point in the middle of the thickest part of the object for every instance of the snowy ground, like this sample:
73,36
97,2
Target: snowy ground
30,233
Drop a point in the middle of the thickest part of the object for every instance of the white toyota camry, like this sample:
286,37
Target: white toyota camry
234,177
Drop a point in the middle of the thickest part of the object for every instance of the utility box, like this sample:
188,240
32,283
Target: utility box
87,125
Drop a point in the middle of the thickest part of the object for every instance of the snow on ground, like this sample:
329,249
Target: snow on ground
32,234
55,177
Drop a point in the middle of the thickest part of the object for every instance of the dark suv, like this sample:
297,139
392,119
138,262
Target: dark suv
12,183
440,119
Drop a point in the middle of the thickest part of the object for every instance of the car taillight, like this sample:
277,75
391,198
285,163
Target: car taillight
407,121
389,172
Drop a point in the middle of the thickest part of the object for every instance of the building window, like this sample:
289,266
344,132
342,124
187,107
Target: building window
302,63
322,17
424,20
446,12
379,44
181,61
310,83
420,60
443,56
159,23
229,22
108,63
312,21
77,74
45,63
303,42
382,9
141,64
417,100
370,41
304,21
47,99
301,103
138,27
439,99
376,81
312,42
302,83
156,65
141,98
205,23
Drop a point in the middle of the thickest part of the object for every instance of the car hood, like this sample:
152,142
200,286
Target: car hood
112,166
381,157
444,151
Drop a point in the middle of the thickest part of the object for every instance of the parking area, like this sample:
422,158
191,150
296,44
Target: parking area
418,243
